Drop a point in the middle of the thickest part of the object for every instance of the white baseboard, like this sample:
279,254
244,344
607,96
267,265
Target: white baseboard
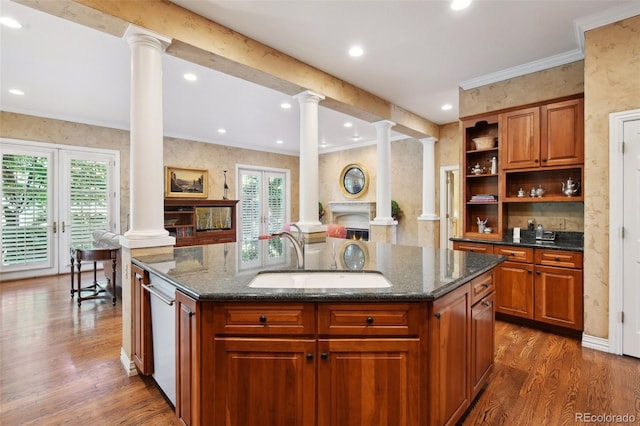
597,343
128,364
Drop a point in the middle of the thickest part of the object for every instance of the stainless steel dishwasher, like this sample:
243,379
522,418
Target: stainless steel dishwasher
163,330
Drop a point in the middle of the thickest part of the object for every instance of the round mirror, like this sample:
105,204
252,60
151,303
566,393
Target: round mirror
354,256
354,180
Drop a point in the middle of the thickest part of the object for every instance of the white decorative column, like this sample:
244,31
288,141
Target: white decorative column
383,227
146,234
146,143
428,221
308,221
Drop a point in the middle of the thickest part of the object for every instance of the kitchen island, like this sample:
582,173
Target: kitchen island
414,352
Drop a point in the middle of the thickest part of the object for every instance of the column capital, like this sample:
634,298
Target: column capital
382,124
135,34
308,95
428,141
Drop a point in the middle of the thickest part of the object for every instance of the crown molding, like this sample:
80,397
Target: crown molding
606,17
520,70
581,25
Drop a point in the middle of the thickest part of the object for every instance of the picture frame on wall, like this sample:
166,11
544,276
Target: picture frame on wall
186,183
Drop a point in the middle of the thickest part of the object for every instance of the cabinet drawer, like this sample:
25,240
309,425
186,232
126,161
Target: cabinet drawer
473,247
515,254
261,319
390,319
566,259
481,286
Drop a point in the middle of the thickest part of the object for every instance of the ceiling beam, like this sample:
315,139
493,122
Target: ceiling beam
199,40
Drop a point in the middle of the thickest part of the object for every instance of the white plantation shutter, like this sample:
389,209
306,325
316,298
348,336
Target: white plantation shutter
250,205
25,201
276,200
89,196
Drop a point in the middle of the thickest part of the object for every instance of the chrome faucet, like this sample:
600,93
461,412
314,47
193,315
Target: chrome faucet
297,242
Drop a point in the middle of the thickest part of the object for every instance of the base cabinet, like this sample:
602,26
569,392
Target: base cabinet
350,394
514,289
262,381
142,337
340,364
558,295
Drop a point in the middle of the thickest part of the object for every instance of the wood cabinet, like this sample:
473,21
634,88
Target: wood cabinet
196,222
332,363
538,146
481,186
559,289
449,357
142,337
264,381
473,247
482,342
549,135
548,291
189,362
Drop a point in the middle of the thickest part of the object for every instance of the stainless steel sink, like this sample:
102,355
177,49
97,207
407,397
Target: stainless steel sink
320,279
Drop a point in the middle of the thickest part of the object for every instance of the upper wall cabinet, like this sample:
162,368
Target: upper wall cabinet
546,136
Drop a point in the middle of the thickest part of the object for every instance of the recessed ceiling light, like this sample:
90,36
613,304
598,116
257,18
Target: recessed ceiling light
279,142
460,4
356,138
323,145
285,105
348,124
16,92
222,131
190,77
10,22
446,107
356,51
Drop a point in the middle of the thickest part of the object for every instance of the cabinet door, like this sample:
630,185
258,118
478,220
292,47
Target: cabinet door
482,342
520,138
142,337
364,382
558,295
514,289
187,361
562,139
264,381
449,351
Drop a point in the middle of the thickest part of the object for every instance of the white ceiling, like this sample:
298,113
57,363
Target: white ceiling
417,54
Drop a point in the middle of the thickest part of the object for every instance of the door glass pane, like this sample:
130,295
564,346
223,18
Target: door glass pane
25,201
276,201
250,206
89,199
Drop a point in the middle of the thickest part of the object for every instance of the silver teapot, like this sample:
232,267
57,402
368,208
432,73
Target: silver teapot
477,169
570,187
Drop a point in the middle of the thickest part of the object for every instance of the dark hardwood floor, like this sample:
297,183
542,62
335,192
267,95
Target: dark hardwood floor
59,364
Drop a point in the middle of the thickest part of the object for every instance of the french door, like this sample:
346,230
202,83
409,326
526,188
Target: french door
263,209
52,197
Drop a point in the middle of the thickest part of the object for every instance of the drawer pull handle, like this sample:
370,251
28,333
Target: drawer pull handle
512,254
369,320
437,315
309,357
557,259
486,303
263,318
324,355
485,285
471,250
537,272
528,271
191,314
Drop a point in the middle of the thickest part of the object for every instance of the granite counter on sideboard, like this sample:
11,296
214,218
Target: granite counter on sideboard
565,240
283,356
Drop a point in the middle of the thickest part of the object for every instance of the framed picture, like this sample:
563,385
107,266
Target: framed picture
186,183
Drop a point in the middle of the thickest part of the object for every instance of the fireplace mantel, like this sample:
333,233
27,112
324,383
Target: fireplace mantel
352,214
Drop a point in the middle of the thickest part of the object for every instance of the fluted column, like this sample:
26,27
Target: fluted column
428,221
146,145
309,180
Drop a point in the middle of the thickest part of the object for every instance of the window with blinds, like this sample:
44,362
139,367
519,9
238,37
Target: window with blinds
25,198
89,199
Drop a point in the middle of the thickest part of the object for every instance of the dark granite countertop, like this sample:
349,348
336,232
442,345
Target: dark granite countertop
224,271
565,240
